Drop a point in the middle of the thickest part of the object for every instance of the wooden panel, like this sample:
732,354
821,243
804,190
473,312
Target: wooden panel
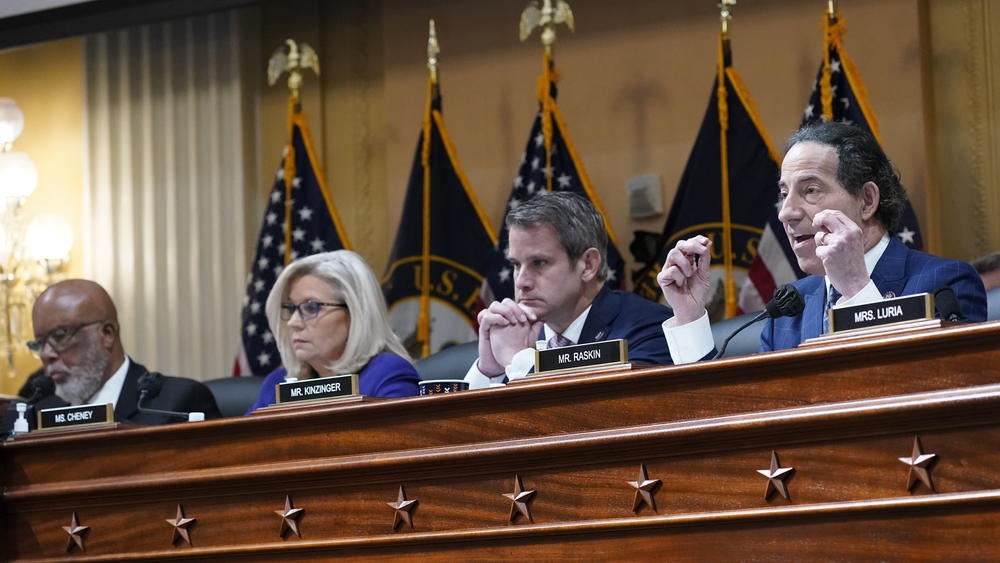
704,431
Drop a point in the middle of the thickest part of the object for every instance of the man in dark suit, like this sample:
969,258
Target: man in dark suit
840,197
557,250
78,341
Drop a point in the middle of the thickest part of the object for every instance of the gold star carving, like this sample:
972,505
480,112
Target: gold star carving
181,525
520,501
918,462
404,509
776,476
645,488
289,519
76,533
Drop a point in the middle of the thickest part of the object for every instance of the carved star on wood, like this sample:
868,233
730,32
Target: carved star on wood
181,526
76,534
918,463
520,501
776,476
289,518
645,489
404,510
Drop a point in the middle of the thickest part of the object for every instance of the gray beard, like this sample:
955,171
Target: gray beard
86,380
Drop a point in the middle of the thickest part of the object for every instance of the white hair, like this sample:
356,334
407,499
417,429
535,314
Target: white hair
353,282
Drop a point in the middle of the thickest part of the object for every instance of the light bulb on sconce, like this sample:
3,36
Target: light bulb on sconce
31,258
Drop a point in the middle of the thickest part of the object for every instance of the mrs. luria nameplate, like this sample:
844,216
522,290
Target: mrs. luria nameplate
82,415
582,356
314,389
908,308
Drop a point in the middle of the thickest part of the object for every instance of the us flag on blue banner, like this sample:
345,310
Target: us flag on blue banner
549,162
300,220
725,195
442,247
838,94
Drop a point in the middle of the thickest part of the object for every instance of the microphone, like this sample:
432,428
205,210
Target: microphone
42,387
787,302
947,305
149,385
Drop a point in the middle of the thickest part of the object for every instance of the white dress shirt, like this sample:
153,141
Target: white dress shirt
112,388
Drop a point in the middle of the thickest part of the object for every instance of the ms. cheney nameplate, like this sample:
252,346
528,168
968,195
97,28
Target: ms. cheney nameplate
880,313
313,389
581,356
82,415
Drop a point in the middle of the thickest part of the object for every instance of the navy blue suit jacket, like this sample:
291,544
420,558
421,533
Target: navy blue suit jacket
620,314
900,271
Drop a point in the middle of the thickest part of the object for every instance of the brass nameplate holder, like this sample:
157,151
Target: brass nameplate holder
321,389
888,312
593,356
64,418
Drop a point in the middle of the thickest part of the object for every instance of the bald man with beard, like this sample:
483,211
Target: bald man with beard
77,338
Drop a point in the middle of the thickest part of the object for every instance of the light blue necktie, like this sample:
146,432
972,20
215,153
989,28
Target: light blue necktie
831,300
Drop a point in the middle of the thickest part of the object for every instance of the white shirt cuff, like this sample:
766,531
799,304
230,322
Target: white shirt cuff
520,365
479,380
689,342
869,294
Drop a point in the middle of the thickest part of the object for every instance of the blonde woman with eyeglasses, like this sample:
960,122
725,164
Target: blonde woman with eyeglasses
328,317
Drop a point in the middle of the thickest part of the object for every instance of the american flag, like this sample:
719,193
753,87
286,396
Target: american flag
300,220
563,171
842,97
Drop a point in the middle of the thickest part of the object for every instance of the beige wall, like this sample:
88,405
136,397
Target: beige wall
634,88
46,82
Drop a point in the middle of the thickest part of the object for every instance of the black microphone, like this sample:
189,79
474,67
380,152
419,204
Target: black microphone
42,387
787,302
149,385
947,305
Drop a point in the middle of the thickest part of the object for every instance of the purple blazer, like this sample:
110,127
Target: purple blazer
386,375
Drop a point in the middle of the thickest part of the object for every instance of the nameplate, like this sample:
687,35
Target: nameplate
313,389
83,415
882,313
593,354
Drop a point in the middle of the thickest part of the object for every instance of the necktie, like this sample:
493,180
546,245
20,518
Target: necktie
831,300
558,341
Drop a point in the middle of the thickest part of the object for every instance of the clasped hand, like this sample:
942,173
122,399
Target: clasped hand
505,328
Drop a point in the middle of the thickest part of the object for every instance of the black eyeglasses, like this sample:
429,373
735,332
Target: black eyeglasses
59,338
307,309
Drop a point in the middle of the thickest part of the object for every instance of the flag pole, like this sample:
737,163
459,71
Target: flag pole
424,317
552,13
725,15
295,61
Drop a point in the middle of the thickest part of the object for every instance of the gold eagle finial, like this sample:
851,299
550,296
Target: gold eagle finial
300,56
546,17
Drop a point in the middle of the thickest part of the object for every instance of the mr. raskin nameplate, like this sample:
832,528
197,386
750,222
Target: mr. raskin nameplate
880,313
312,389
83,415
581,356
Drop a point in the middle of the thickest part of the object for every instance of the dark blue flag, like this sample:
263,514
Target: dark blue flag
549,162
442,247
300,220
838,94
726,193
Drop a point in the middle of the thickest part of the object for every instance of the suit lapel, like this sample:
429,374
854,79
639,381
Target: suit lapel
128,399
603,312
812,315
889,274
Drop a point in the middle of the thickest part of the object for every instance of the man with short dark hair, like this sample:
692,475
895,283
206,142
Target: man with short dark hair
988,268
558,254
77,338
840,198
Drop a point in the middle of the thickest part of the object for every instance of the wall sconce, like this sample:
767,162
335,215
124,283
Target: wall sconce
32,257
